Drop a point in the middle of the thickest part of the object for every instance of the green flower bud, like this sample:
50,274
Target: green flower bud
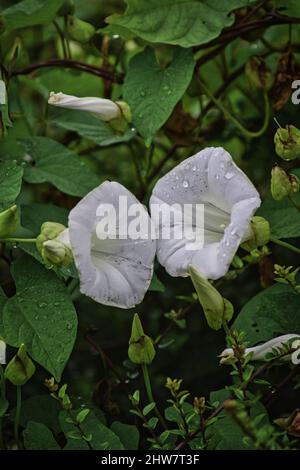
260,233
215,307
9,221
80,30
280,183
53,244
141,349
259,75
119,124
283,184
287,143
56,252
21,368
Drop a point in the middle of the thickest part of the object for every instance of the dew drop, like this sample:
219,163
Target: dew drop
194,168
222,226
217,177
42,304
143,93
229,175
185,184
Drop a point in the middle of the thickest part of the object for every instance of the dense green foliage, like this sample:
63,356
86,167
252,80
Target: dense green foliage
195,74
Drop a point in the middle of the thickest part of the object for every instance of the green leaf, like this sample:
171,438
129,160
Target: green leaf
40,315
272,312
224,433
38,437
152,92
128,434
290,8
82,415
10,180
156,285
90,127
55,164
184,23
35,214
148,408
3,406
42,409
102,437
282,216
30,13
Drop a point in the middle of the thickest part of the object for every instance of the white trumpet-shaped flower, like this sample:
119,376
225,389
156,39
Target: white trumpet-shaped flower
2,352
112,271
260,352
212,180
107,110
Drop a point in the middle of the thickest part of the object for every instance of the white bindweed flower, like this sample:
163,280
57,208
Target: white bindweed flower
2,352
260,352
211,180
107,110
114,272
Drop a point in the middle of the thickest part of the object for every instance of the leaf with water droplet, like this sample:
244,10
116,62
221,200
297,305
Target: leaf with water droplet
165,87
28,316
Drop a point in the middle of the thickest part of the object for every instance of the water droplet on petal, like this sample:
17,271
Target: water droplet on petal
217,177
185,184
222,226
229,175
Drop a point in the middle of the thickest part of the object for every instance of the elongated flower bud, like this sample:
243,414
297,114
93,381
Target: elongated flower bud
262,351
215,307
9,221
141,349
105,109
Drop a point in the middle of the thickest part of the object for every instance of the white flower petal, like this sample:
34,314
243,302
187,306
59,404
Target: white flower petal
211,178
113,272
105,109
2,352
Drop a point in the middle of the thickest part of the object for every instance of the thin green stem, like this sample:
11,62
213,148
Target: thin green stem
62,39
18,414
230,117
150,394
18,240
286,245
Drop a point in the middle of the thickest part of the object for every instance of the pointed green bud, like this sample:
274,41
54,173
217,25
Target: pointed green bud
9,221
141,348
119,124
259,75
280,183
80,30
287,142
21,368
260,228
54,245
215,307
